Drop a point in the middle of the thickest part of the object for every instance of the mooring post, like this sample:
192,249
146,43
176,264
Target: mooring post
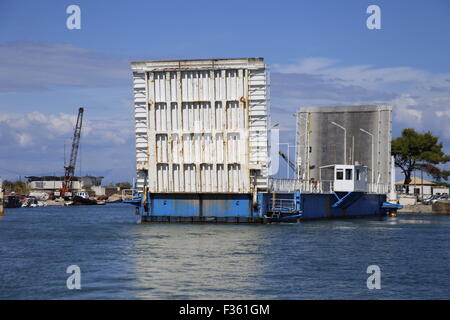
1,198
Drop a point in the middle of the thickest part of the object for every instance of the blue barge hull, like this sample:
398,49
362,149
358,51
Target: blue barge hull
268,207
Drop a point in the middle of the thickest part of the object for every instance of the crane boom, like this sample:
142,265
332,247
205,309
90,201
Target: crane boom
291,165
70,168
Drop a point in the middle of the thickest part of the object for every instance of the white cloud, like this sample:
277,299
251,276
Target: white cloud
308,65
33,143
24,140
32,66
404,112
368,76
32,126
420,98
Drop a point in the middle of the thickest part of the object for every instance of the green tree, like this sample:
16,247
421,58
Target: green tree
413,150
437,174
124,185
19,187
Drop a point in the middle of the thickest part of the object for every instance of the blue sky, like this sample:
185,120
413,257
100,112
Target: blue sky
322,49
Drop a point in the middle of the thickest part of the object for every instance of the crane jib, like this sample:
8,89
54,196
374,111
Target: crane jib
70,168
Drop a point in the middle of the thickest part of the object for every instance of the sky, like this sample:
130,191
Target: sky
319,53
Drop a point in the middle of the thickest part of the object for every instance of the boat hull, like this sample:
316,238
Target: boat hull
80,201
240,208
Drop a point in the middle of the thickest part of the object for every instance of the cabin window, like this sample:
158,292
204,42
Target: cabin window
358,175
339,174
348,174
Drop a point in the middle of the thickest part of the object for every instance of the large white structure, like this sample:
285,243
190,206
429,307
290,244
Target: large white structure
346,135
51,184
201,125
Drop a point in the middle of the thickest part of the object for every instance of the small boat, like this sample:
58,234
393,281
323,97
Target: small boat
392,214
13,202
391,208
81,201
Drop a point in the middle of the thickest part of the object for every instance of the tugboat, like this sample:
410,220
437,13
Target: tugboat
82,199
13,201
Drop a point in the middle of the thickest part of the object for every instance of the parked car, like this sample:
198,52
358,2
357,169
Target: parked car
440,198
430,199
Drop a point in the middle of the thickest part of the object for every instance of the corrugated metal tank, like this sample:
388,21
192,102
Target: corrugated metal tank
201,125
321,143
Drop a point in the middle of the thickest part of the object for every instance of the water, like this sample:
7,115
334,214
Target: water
120,259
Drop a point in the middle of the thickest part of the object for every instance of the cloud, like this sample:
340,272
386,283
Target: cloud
317,88
367,75
32,66
38,128
420,98
33,144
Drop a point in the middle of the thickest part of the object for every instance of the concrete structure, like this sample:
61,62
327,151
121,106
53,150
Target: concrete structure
420,187
201,125
345,135
50,184
407,200
99,190
441,207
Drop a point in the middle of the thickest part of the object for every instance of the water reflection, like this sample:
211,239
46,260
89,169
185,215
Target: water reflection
315,259
197,261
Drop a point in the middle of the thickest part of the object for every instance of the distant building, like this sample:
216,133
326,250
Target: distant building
417,185
51,184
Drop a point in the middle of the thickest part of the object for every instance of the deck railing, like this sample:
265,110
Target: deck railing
282,204
378,188
323,186
291,185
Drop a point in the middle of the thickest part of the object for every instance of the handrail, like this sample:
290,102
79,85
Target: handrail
322,186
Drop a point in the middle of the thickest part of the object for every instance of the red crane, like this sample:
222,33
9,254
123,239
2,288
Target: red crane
69,170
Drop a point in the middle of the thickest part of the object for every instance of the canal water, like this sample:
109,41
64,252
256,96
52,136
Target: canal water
120,259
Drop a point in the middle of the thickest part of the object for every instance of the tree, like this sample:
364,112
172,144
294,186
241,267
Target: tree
124,185
18,187
414,151
434,172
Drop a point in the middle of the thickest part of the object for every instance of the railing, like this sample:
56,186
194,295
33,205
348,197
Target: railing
326,186
323,186
378,188
285,185
282,205
291,185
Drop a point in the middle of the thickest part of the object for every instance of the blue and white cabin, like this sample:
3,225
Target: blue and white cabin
347,178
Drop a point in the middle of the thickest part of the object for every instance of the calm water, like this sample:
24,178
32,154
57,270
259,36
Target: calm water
123,260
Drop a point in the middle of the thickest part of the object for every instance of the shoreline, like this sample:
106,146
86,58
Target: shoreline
439,208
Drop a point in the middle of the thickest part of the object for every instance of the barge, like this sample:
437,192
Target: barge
205,153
